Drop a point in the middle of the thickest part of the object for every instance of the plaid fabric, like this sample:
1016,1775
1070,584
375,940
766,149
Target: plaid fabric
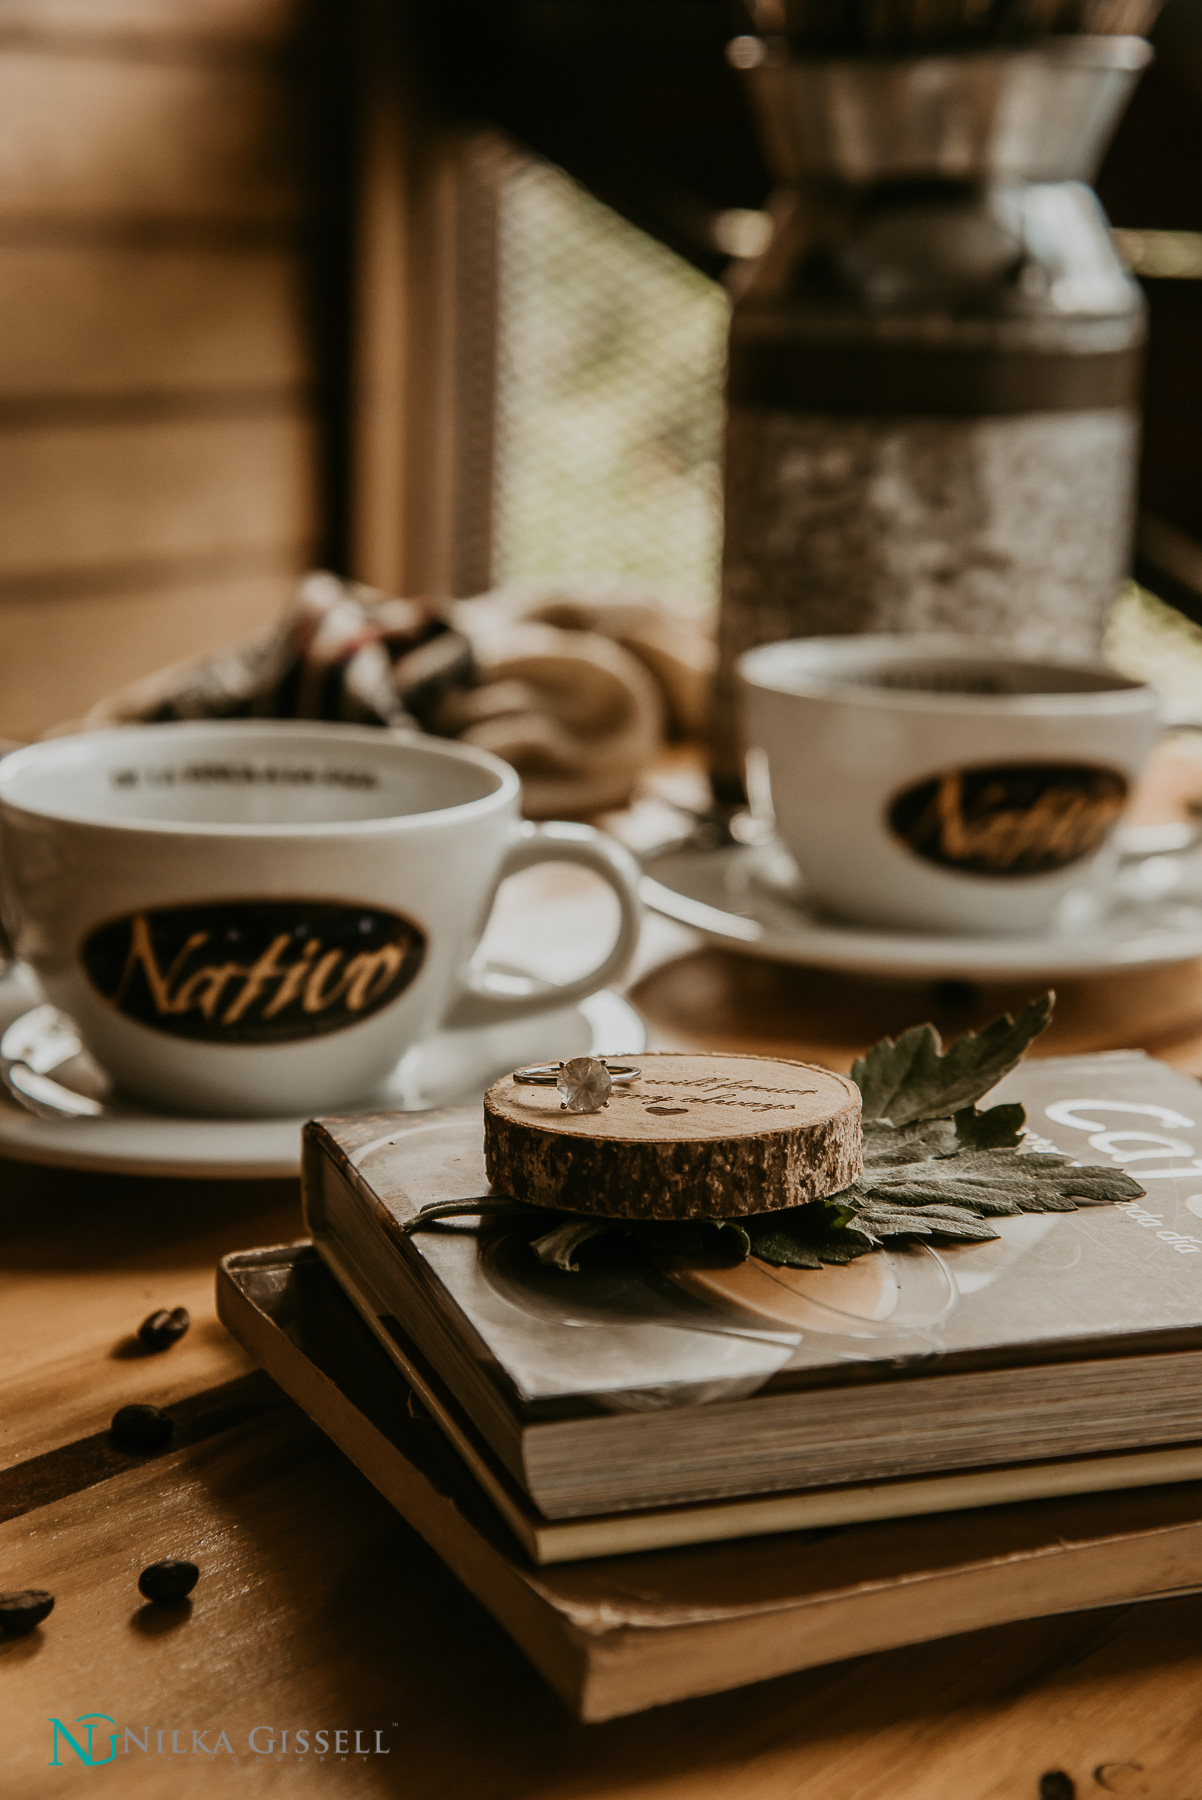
577,692
342,651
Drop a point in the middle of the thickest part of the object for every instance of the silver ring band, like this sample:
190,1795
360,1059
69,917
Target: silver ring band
547,1074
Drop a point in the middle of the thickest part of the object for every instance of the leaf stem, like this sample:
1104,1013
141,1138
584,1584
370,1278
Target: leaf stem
449,1209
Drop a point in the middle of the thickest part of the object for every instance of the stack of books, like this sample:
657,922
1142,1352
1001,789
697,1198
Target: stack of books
666,1479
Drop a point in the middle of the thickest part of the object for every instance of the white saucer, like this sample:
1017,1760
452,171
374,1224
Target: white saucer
747,897
449,1068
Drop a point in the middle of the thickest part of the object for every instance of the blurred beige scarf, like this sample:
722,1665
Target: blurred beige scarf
577,692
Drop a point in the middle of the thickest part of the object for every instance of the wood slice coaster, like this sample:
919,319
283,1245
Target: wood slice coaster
695,1137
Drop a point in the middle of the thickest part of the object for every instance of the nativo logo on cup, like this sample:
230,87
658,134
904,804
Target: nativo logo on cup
253,971
1009,818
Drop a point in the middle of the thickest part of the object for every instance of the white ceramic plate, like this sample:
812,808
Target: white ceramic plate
748,898
449,1068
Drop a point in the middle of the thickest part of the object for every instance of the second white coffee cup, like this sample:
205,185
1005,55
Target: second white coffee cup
260,918
938,783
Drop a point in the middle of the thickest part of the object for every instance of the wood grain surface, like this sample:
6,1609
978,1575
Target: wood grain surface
83,1260
317,1608
717,998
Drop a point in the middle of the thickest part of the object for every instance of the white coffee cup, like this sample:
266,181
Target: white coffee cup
260,918
938,783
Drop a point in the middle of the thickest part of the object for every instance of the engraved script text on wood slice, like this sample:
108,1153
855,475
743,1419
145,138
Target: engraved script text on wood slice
695,1137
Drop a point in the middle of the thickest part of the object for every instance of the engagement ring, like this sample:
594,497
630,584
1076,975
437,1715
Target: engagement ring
584,1082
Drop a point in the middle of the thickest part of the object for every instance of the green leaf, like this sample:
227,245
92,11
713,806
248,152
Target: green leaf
449,1209
935,1190
934,1167
997,1181
557,1249
998,1128
1101,1186
886,1146
786,1251
914,1079
805,1237
810,1222
714,1241
952,1222
845,1250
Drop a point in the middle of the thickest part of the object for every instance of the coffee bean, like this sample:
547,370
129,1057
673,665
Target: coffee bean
169,1580
163,1328
20,1612
141,1428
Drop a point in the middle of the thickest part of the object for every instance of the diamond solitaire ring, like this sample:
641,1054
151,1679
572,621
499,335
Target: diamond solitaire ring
584,1082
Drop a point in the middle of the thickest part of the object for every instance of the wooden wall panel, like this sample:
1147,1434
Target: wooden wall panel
84,322
138,138
74,651
157,431
238,20
78,498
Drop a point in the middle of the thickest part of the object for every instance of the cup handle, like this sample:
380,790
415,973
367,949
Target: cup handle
1138,842
490,995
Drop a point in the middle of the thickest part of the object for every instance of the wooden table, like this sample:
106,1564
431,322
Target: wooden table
319,1610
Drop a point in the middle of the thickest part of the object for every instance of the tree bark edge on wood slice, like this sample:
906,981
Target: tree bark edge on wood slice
697,1136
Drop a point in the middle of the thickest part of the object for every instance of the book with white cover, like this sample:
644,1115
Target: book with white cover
642,1385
